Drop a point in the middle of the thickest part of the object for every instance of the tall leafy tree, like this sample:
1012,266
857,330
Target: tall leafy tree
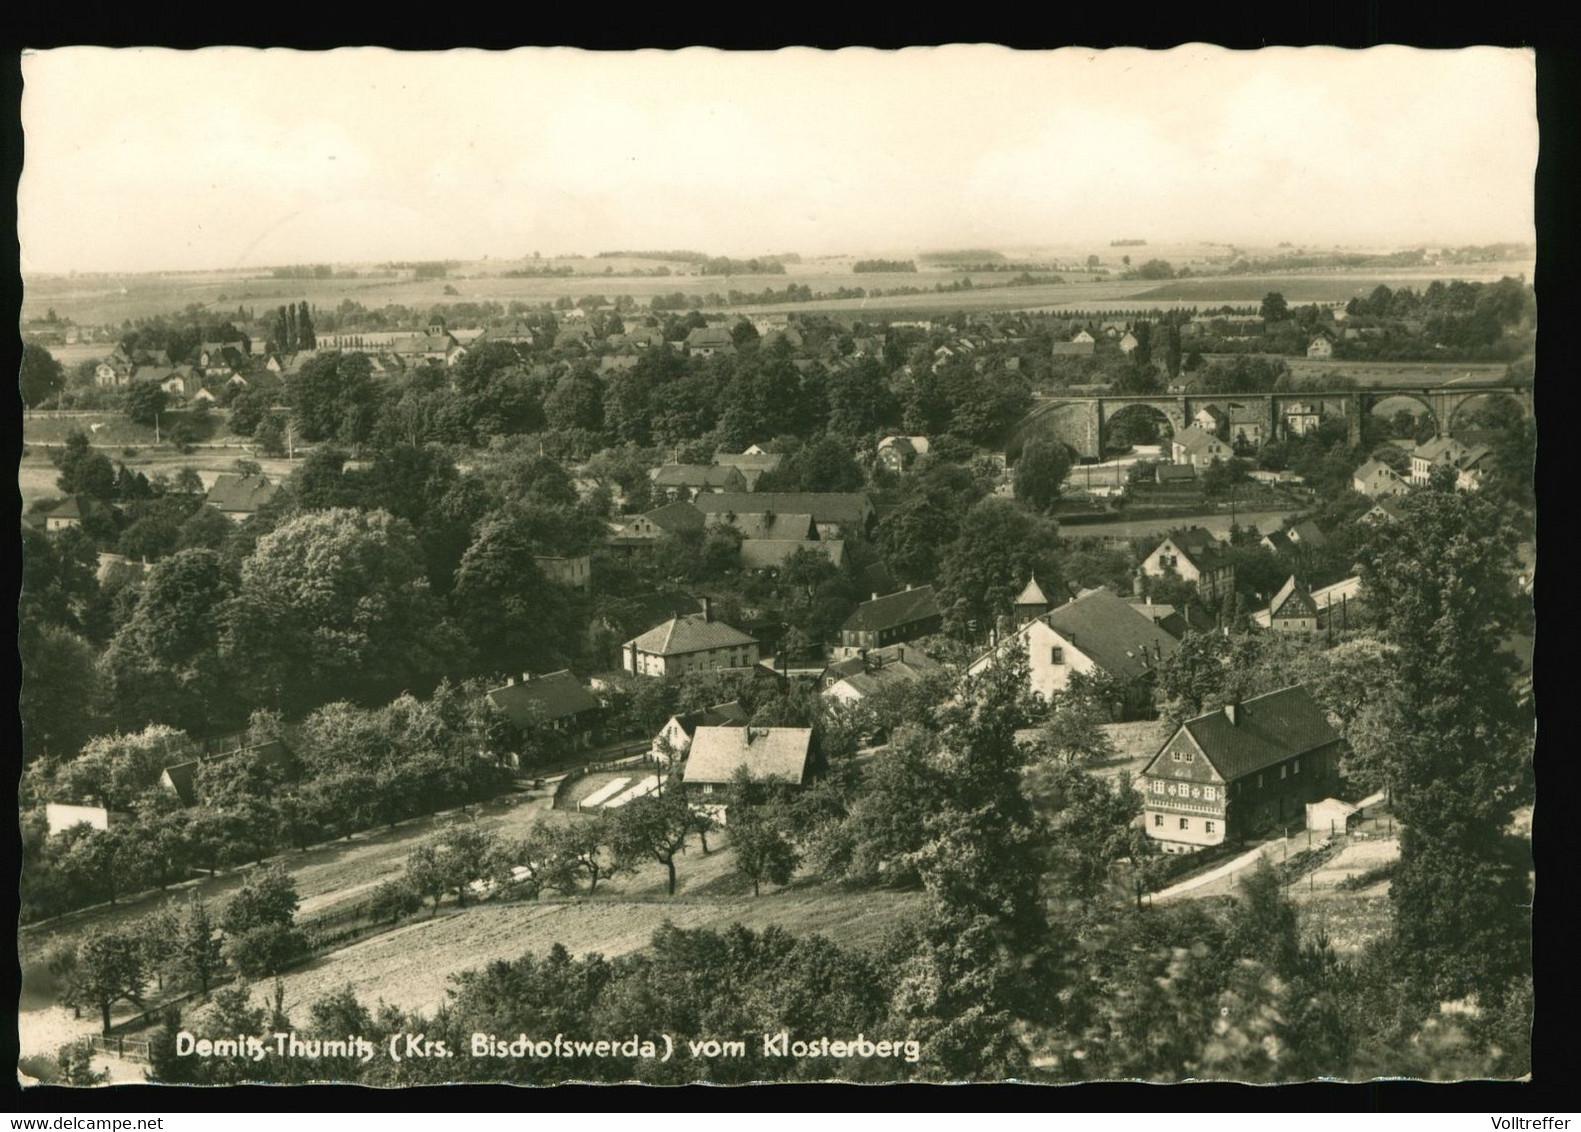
335,604
1441,583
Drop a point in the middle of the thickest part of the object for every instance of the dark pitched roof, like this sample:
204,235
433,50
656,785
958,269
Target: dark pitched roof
824,506
182,778
241,493
1200,546
697,475
1278,541
1309,534
877,579
544,699
1268,729
729,714
1389,506
1121,640
903,608
1292,600
674,517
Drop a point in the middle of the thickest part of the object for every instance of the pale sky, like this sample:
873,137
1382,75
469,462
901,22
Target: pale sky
147,159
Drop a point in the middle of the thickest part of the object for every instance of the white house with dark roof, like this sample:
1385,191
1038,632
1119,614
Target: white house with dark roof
1194,555
695,642
674,739
855,678
1240,769
1095,634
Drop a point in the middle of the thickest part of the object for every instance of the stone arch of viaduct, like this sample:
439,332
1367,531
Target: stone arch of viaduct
1081,422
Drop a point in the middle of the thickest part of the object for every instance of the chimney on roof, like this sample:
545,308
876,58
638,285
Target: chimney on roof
1231,711
908,587
510,681
526,676
708,609
875,595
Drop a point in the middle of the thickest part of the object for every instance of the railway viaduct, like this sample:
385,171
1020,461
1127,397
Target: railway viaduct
1080,421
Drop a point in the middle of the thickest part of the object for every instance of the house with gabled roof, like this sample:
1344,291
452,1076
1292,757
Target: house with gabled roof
1441,451
646,529
1386,510
181,779
695,642
1292,609
751,465
1097,633
892,619
684,481
1194,555
238,497
1376,479
1239,770
706,341
556,700
857,677
786,754
1473,467
1191,445
674,739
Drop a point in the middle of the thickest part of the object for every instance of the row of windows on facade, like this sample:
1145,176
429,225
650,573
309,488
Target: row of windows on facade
1209,791
1185,823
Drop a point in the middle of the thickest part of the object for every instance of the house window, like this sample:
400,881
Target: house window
1177,756
1056,656
1158,787
1295,766
1158,819
1191,756
1259,782
708,788
1209,793
1207,827
1185,823
1283,771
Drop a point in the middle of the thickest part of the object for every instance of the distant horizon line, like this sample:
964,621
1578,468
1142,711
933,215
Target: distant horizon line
1289,247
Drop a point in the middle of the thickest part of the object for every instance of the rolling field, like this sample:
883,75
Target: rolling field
412,966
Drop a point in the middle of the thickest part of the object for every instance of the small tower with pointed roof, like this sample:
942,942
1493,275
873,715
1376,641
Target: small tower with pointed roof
1031,603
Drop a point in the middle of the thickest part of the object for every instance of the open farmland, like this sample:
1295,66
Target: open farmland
412,966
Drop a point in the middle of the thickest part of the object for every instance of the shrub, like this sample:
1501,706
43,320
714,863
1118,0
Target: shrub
267,950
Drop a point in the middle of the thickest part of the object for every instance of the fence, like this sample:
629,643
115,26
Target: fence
568,784
133,1048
